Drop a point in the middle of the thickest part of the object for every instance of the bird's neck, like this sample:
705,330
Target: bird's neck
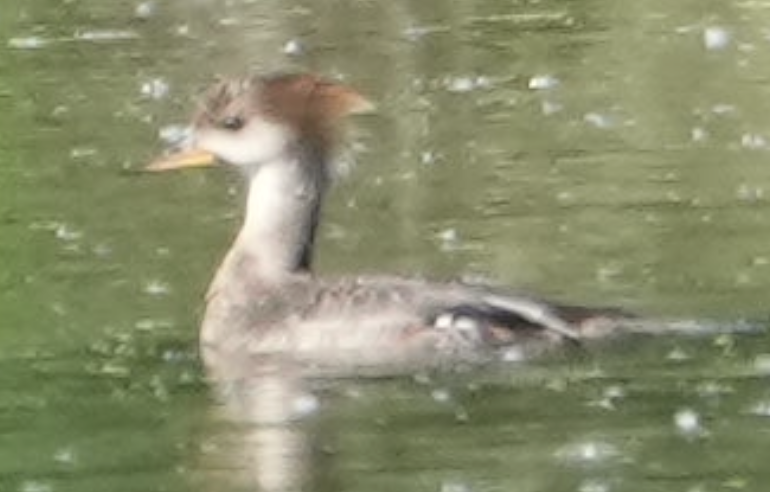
282,212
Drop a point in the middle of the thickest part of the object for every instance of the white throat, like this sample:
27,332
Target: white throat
283,205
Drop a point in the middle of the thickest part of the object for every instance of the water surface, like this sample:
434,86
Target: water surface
578,149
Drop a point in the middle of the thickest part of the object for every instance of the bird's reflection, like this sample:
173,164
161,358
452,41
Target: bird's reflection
269,441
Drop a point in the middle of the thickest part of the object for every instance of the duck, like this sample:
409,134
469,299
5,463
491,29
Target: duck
266,303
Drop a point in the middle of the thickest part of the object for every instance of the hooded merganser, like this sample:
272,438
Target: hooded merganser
265,303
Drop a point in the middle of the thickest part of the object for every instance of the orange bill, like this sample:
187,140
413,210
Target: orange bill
181,160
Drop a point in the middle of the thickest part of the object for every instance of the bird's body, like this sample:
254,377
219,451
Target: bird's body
265,302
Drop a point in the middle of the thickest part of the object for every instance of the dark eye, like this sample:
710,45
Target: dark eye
232,123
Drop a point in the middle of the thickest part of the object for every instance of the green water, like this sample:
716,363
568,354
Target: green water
590,151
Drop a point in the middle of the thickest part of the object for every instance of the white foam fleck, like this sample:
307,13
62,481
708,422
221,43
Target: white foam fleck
513,354
716,38
597,120
761,408
293,47
698,134
441,395
145,10
542,82
588,452
749,193
149,324
175,135
82,152
463,84
450,239
65,456
155,88
688,423
551,107
67,233
428,157
105,35
156,287
723,109
28,43
305,405
455,486
594,485
762,364
753,141
460,84
35,486
678,355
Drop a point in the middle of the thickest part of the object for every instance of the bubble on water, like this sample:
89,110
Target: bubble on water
710,389
159,388
698,134
716,38
156,88
145,10
513,354
455,486
678,355
607,273
588,453
460,84
762,364
749,193
753,141
742,279
565,197
150,324
759,261
162,251
82,152
609,396
156,287
28,43
483,82
441,395
114,369
449,238
463,84
101,250
761,409
594,485
551,107
175,135
60,111
293,47
67,233
35,486
173,355
598,120
461,415
542,82
723,109
416,33
65,456
688,423
305,405
428,157
105,35
615,392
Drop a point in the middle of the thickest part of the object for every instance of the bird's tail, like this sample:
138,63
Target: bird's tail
593,323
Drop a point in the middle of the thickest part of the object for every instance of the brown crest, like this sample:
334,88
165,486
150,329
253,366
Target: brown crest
310,104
